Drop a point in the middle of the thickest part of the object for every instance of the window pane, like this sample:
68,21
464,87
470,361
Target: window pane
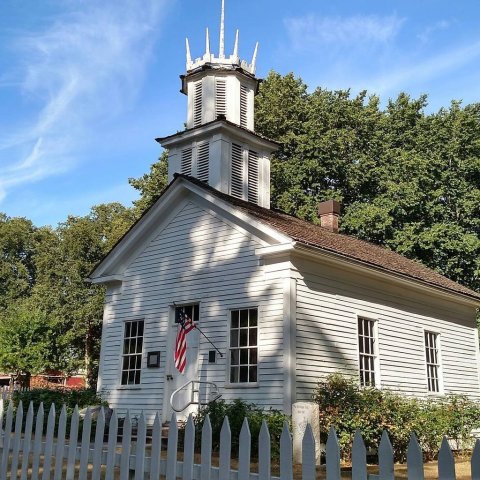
140,329
234,375
234,357
253,374
243,337
124,378
127,329
252,341
253,317
243,374
139,345
234,338
253,356
243,356
235,315
133,331
244,318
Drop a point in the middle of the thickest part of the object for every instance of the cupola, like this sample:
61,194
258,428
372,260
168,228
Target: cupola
219,145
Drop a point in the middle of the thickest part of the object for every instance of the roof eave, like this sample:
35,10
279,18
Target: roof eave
305,249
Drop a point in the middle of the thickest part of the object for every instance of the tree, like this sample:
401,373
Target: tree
18,242
151,184
74,306
28,342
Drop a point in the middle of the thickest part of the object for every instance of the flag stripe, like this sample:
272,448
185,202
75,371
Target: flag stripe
185,326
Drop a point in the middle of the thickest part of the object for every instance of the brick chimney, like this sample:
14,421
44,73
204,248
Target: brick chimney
329,213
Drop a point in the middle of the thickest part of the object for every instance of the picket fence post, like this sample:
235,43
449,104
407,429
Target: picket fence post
446,462
475,461
264,450
16,439
286,454
244,449
385,458
172,449
72,447
359,457
6,440
206,450
414,459
309,464
225,450
37,443
189,449
333,456
27,439
156,454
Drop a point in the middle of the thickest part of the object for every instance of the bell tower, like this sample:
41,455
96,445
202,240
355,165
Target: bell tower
219,145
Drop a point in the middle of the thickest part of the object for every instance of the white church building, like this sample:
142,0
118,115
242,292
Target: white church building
279,302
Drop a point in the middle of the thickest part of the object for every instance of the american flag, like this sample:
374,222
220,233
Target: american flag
185,325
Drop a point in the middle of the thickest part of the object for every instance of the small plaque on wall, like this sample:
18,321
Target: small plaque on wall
153,359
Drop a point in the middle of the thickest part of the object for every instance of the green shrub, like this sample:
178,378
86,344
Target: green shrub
58,396
236,412
347,406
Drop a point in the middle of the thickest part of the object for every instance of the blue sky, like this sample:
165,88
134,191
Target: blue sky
86,85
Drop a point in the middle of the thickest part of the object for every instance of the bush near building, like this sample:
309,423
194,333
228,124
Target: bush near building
348,407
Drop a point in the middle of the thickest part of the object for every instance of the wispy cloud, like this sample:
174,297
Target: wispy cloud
312,31
428,69
84,68
425,35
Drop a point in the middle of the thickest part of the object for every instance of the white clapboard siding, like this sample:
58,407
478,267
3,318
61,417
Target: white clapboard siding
196,257
327,306
130,458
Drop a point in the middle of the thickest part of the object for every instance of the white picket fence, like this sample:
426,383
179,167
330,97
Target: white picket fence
30,452
6,393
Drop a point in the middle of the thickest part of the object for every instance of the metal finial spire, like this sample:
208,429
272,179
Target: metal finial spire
235,48
207,43
254,59
221,53
189,55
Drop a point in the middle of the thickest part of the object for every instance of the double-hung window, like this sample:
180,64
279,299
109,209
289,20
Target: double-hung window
433,361
367,348
244,346
132,352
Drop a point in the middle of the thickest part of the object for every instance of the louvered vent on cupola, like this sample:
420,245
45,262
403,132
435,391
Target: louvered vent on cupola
203,151
237,171
243,106
197,105
187,161
252,176
220,97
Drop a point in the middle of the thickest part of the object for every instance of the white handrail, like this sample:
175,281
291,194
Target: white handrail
192,396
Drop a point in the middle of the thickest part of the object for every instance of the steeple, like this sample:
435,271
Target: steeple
231,61
219,145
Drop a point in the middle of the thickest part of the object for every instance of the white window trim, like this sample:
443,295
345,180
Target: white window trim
376,360
136,386
441,390
256,384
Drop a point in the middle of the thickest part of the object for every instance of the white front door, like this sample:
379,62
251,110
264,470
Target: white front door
181,402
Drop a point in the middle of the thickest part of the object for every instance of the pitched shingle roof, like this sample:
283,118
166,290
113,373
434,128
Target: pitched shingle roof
344,245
